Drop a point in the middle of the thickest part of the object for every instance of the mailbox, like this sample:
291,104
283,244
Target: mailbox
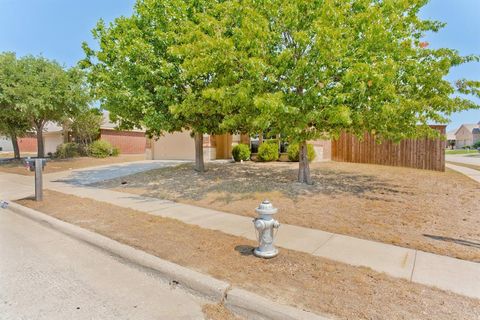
30,163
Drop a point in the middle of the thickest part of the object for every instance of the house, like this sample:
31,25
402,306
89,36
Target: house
467,135
181,146
52,137
5,144
451,139
128,142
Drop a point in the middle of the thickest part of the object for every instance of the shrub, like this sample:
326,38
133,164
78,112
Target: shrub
115,152
476,145
241,152
268,151
100,149
294,152
67,150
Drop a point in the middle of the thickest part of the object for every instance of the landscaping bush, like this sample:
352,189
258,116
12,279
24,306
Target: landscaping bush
294,152
268,151
67,150
100,149
115,152
241,152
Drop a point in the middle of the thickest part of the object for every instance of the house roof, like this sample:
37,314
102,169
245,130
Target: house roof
451,135
109,125
472,127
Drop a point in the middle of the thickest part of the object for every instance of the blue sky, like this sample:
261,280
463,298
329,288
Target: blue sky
56,29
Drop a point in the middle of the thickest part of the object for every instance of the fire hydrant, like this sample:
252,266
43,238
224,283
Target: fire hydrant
265,225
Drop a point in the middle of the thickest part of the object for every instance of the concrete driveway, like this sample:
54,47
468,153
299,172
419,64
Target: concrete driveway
88,176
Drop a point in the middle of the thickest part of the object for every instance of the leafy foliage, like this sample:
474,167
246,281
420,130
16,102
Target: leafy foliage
268,151
101,149
241,152
294,149
68,150
85,125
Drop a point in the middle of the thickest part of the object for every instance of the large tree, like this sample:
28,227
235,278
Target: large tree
355,66
46,92
13,123
171,66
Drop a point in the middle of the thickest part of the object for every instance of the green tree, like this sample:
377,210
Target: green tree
85,125
175,65
355,66
13,123
48,92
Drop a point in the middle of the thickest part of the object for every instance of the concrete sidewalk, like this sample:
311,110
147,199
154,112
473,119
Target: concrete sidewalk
459,276
471,173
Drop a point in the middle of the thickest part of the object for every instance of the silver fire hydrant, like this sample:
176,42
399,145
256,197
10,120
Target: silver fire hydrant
265,225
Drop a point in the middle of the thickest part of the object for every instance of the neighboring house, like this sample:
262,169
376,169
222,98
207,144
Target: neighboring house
181,146
128,142
451,139
467,135
52,137
5,144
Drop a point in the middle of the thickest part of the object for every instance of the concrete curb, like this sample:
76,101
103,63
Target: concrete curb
244,303
253,306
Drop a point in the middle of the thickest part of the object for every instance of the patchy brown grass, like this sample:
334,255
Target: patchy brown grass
56,165
432,211
218,312
294,278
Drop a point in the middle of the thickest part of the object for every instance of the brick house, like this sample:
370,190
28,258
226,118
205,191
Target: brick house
181,146
128,142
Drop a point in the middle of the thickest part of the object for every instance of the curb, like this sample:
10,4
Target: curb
241,302
253,306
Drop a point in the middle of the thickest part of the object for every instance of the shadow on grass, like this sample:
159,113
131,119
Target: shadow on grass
235,181
453,240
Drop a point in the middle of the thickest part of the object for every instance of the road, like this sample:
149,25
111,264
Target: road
45,274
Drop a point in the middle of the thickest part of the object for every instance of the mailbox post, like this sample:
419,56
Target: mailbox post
37,165
38,179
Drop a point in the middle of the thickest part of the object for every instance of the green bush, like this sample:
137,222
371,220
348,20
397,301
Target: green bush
268,151
294,152
100,149
67,150
241,152
476,145
115,152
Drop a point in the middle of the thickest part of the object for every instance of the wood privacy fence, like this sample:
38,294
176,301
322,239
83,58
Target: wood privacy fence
422,153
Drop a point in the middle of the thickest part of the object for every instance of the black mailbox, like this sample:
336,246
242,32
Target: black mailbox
30,164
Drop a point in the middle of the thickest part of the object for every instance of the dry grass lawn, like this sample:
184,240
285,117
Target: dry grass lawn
56,165
294,278
432,211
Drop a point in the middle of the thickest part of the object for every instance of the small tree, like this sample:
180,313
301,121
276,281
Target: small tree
48,92
85,125
13,123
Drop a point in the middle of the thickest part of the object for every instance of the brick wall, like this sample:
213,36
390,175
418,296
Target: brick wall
127,141
27,144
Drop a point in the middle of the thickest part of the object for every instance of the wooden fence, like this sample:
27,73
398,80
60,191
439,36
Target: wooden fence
422,153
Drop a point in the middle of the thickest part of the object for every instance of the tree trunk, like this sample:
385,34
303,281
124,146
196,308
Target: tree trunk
304,165
40,146
199,165
16,149
260,138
